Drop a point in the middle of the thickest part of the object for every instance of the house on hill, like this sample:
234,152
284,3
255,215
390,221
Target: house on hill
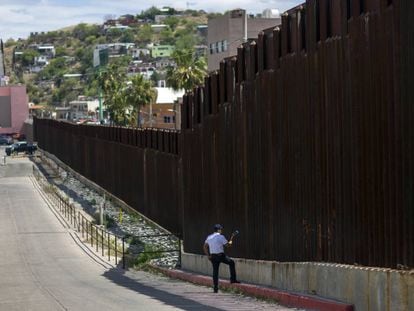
166,112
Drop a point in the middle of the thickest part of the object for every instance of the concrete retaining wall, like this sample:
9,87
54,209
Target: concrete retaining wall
366,288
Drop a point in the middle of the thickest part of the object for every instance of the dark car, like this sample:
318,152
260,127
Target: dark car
5,140
21,146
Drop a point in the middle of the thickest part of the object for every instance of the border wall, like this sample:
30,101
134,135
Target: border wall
303,142
141,167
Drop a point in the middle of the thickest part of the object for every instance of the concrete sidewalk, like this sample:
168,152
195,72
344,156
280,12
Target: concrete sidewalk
290,299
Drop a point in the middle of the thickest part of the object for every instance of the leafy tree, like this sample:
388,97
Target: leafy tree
155,77
10,42
149,13
127,36
123,98
213,15
190,70
91,40
186,37
82,31
186,42
85,57
68,90
33,92
111,82
61,51
167,37
172,22
139,93
28,57
145,33
56,69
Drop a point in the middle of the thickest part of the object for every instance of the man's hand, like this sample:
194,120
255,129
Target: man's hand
207,251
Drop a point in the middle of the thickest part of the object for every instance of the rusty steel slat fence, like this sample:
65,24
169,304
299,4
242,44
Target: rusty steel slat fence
124,161
306,139
303,142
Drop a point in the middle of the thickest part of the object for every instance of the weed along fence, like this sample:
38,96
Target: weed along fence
303,142
128,249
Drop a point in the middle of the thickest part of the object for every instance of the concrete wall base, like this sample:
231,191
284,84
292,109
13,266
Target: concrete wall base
366,288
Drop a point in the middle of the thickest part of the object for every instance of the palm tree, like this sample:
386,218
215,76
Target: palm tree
112,82
124,98
189,72
139,92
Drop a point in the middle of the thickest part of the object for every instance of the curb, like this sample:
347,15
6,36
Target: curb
288,299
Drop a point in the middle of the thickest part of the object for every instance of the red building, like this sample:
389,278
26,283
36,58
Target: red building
14,109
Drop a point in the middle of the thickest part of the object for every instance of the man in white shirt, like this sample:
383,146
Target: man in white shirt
214,249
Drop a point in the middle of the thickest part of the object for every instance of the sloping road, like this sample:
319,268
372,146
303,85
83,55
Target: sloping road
43,268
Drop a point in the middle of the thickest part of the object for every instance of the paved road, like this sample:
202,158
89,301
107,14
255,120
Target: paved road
43,268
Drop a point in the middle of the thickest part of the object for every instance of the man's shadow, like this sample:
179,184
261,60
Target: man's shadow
117,276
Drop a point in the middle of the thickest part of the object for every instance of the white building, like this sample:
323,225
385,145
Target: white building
83,109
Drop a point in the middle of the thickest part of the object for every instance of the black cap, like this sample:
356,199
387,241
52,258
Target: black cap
218,227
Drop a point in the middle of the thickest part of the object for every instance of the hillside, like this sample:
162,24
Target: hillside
44,61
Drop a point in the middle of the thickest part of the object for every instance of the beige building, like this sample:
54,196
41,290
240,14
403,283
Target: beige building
166,112
227,32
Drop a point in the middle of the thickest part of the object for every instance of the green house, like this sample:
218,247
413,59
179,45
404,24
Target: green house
162,51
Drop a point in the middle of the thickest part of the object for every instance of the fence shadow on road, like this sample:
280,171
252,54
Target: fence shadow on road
118,277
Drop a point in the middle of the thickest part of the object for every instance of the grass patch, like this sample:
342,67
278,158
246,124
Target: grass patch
150,252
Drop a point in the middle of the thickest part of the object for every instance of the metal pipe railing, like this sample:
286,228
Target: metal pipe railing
98,236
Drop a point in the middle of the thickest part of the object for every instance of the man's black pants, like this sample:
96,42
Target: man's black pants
216,259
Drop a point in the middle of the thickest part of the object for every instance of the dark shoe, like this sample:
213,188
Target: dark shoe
215,290
235,282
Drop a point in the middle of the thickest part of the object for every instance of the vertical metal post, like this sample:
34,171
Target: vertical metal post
102,238
91,235
109,247
179,252
116,250
123,252
97,239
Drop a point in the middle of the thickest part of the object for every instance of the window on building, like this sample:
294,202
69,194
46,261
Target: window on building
212,48
219,47
167,119
225,47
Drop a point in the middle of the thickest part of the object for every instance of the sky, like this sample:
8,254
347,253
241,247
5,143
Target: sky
20,17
